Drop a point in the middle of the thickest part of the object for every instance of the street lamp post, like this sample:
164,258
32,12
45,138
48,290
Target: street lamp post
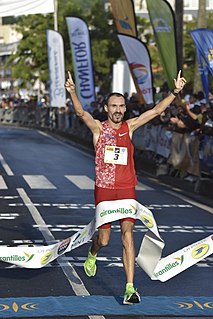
56,15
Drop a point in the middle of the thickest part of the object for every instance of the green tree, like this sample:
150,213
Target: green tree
29,62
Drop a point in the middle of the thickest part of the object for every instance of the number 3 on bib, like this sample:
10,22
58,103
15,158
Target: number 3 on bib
115,155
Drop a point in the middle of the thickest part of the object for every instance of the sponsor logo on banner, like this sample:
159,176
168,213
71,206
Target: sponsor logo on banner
125,24
180,259
46,258
120,210
148,221
63,246
170,266
160,25
140,71
80,238
167,268
138,58
82,65
82,60
200,251
124,15
17,258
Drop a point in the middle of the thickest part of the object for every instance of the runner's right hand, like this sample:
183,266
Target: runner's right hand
69,84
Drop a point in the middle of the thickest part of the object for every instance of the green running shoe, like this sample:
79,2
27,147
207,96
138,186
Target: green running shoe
131,296
90,265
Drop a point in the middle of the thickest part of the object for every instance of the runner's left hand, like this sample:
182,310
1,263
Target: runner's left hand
179,82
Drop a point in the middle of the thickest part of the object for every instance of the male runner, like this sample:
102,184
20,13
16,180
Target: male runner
115,175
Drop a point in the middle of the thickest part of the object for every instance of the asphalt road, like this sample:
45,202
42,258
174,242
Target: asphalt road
57,179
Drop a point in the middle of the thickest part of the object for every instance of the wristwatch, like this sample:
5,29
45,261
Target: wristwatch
175,92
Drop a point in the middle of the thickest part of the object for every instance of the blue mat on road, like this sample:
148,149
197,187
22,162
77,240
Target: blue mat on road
104,305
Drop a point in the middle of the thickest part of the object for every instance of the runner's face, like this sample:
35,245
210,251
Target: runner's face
116,108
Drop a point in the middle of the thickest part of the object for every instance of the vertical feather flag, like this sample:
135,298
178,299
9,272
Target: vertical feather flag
56,68
124,16
163,23
203,39
136,53
139,62
82,60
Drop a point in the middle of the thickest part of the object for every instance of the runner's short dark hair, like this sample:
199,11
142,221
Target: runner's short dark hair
114,94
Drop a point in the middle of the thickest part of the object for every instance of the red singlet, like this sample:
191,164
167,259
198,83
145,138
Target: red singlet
114,180
115,175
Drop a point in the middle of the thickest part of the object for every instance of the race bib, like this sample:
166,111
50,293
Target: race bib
115,155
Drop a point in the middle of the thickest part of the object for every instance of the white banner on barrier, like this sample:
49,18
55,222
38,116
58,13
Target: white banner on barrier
149,256
25,7
164,142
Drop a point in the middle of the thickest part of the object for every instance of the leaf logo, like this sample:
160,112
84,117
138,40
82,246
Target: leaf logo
29,257
180,259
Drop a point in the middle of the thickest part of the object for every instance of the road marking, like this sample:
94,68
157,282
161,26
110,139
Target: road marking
92,206
70,273
81,181
72,276
84,182
191,201
8,215
137,228
38,182
2,183
142,187
6,166
8,197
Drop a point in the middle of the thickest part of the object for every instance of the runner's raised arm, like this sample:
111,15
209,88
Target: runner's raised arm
91,123
160,107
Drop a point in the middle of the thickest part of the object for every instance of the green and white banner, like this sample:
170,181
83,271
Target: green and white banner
150,253
163,23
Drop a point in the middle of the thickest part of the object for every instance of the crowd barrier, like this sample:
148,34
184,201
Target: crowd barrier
186,152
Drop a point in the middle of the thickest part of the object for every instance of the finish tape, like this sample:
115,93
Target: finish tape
150,253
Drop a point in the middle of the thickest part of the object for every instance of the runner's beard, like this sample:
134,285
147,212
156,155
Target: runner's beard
117,117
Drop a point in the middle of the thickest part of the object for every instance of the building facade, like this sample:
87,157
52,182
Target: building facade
190,7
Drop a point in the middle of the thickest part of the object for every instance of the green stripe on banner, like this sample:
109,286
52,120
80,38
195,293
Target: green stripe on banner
104,305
